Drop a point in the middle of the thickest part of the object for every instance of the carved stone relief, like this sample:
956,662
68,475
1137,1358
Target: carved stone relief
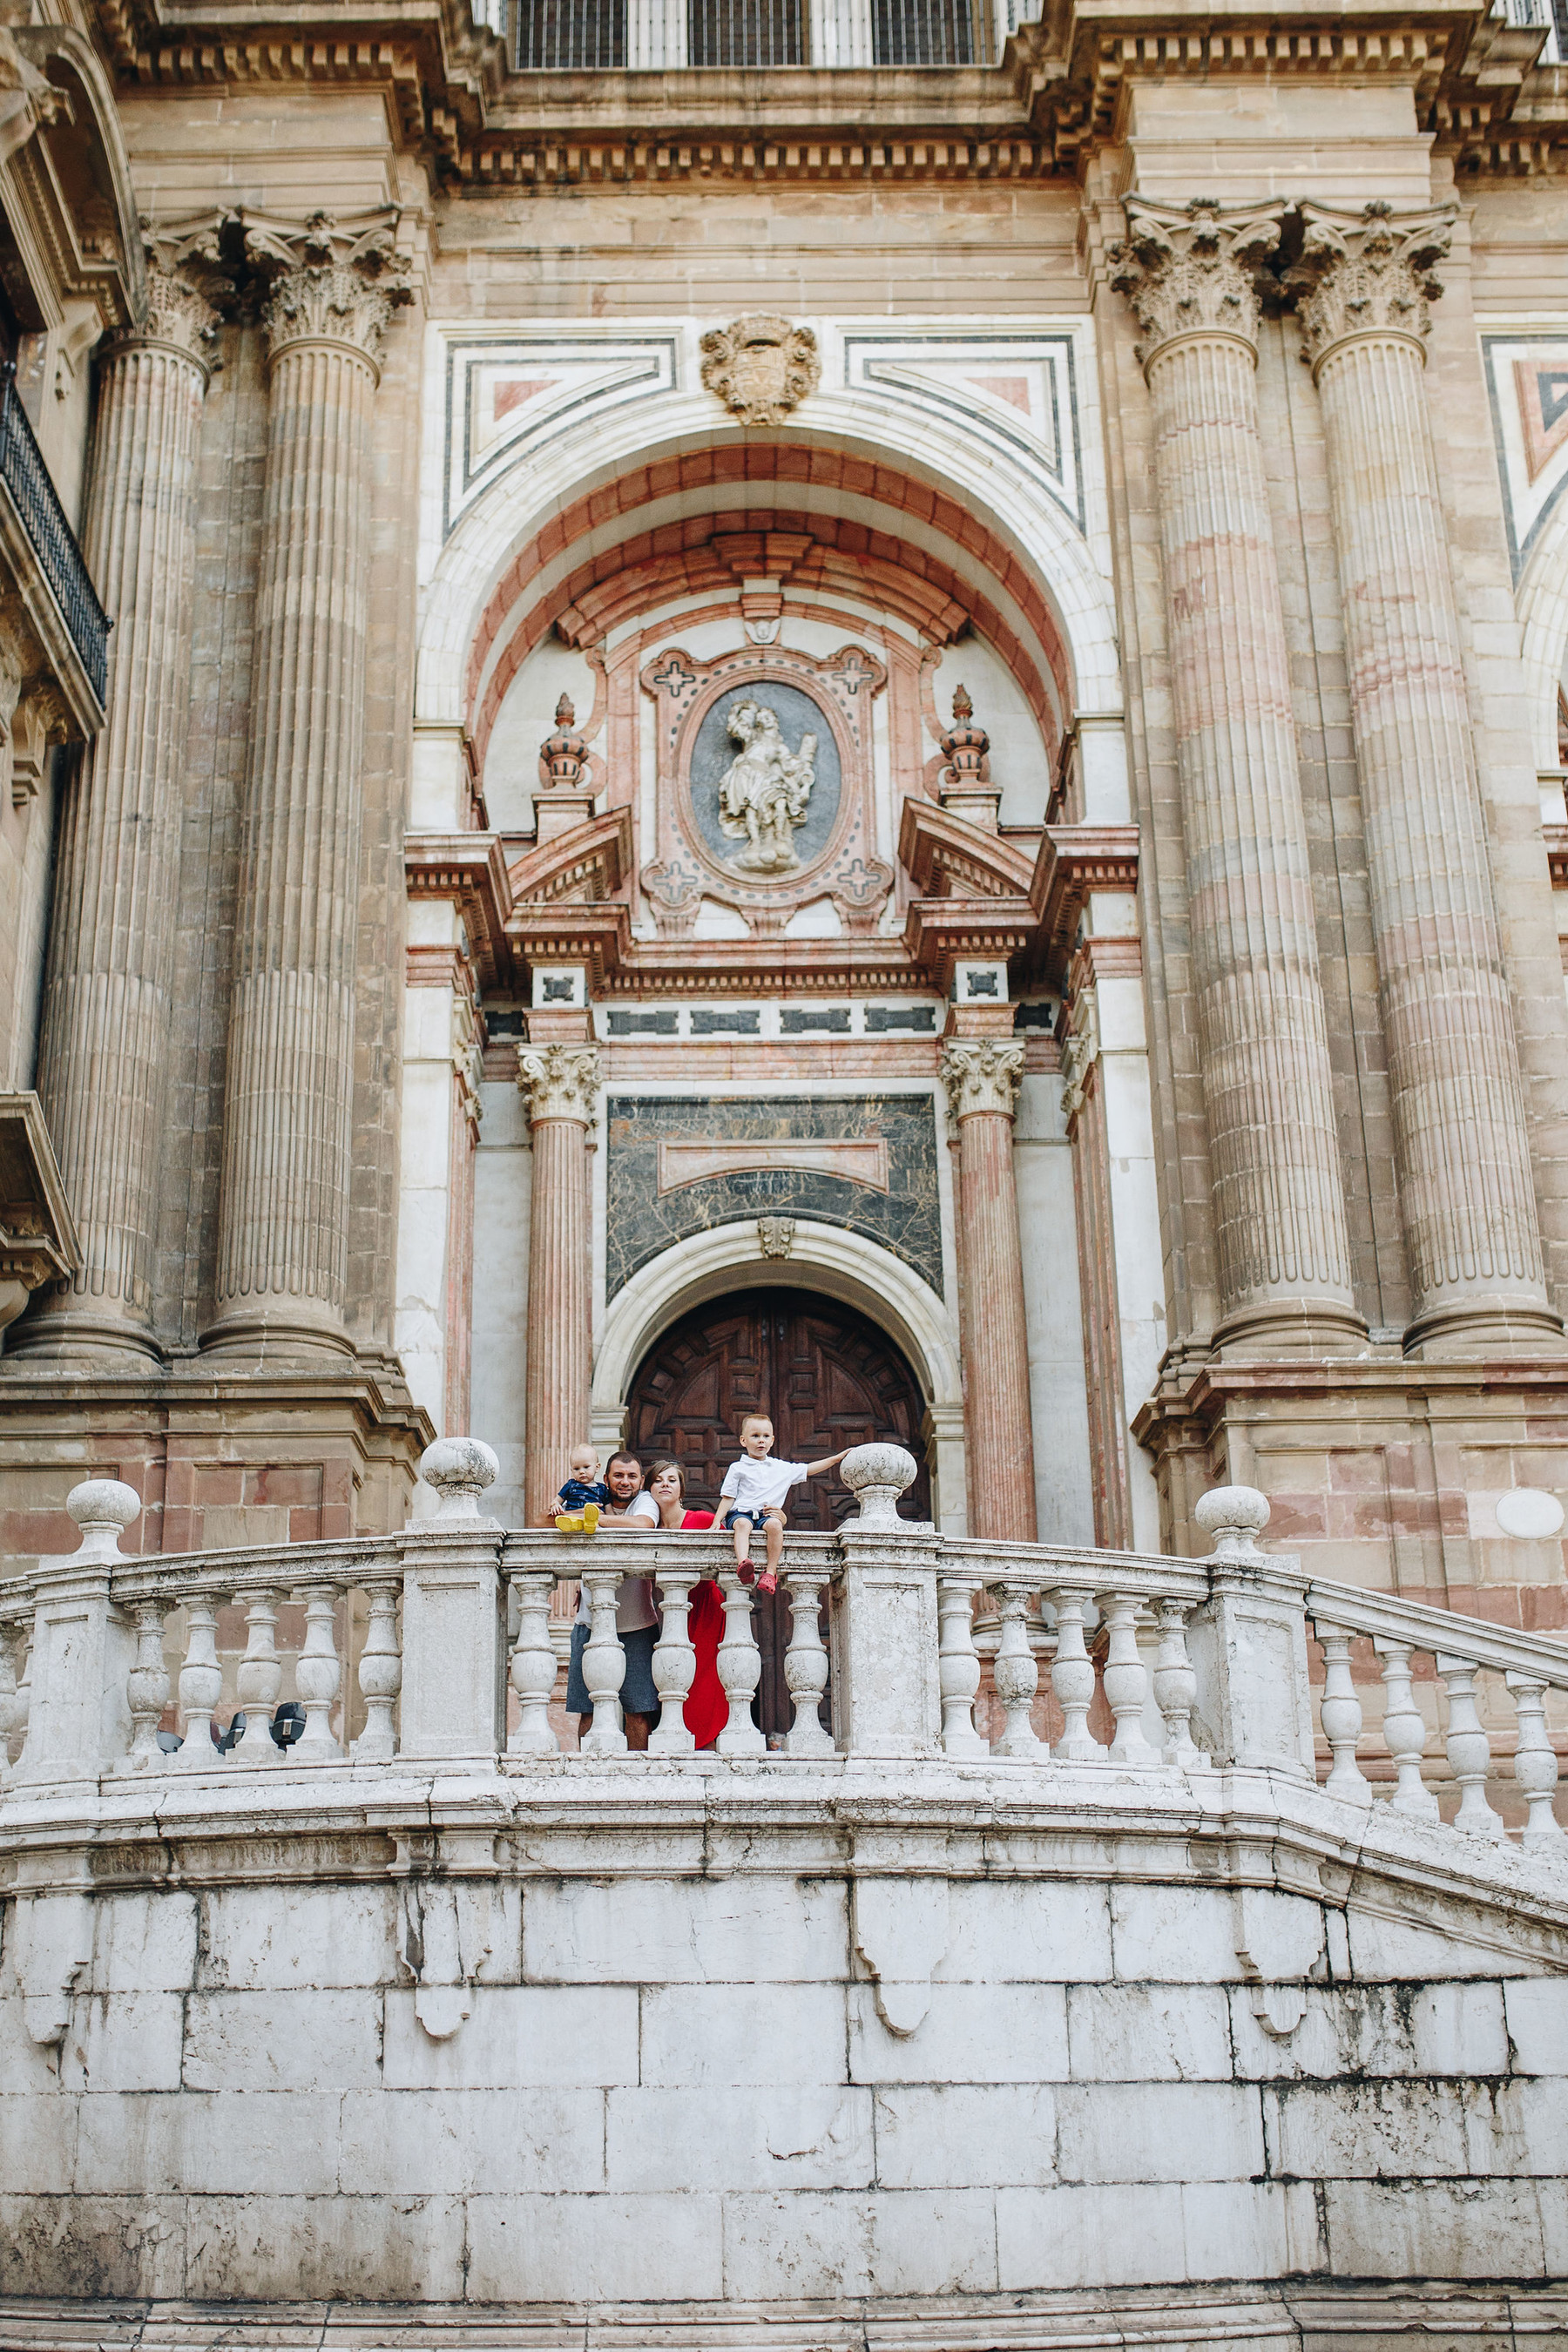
761,366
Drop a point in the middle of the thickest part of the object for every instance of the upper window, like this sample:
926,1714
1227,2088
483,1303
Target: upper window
745,33
589,35
558,36
923,32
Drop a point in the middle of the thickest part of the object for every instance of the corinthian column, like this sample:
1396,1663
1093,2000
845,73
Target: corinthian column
283,1218
1466,1194
560,1084
105,1046
1279,1200
982,1076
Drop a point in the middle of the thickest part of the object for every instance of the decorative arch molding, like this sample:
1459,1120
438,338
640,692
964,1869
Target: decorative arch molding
1542,601
582,481
826,1258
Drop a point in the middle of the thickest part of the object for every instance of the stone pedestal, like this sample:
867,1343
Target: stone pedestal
283,1234
1465,1196
1279,1206
560,1082
982,1076
105,1047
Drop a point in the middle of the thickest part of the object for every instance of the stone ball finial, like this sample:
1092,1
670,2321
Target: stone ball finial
877,1475
101,1508
1233,1516
459,1469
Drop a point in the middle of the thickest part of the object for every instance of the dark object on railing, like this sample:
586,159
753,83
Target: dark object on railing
225,1741
287,1724
571,35
923,32
25,475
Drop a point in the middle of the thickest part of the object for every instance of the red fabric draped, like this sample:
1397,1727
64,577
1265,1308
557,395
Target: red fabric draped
707,1710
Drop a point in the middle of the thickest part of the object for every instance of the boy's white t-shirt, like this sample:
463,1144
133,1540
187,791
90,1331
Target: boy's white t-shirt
760,1486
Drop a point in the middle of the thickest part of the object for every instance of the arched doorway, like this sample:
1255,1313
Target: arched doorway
828,1378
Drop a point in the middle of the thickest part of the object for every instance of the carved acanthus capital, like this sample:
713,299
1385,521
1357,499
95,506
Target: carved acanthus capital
1080,1052
179,316
560,1082
981,1074
339,282
1368,273
1193,269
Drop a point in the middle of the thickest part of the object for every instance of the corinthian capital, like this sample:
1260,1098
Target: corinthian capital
981,1074
338,282
1366,273
1193,269
560,1082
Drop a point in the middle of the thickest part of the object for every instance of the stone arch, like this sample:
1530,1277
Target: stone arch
828,1258
1542,601
601,471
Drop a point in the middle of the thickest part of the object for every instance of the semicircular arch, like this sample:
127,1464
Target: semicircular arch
1541,602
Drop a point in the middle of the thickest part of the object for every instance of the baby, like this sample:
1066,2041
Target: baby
754,1488
583,1495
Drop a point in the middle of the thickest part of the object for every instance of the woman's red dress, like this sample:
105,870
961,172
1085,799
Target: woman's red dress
707,1710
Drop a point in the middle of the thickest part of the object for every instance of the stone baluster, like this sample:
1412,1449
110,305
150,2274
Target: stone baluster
674,1659
380,1673
1405,1731
1013,1671
1342,1715
282,1271
1465,1192
1072,1680
561,1084
318,1677
12,1637
258,1682
959,1664
1469,1749
1279,1205
981,1078
603,1662
1534,1762
1176,1686
1126,1680
740,1669
201,1687
104,1050
533,1668
806,1660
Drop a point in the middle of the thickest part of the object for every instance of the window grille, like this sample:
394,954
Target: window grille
746,33
923,32
566,36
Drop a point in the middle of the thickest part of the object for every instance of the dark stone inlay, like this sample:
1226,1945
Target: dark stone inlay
1034,1016
796,1019
881,1018
736,1022
978,983
643,1024
906,1219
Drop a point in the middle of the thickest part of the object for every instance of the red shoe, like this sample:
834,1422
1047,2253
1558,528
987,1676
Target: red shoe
767,1581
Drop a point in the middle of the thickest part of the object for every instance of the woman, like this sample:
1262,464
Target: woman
707,1710
632,1511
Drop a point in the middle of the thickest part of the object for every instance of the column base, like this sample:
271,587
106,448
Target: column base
1293,1326
1486,1326
86,1336
296,1331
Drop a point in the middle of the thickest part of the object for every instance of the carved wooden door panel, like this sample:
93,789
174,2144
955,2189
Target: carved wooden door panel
828,1378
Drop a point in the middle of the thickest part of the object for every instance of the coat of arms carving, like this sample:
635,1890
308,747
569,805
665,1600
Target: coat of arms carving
760,367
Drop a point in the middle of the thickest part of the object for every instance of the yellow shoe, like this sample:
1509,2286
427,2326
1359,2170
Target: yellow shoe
570,1523
590,1518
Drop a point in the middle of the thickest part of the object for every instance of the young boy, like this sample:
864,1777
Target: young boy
583,1495
754,1488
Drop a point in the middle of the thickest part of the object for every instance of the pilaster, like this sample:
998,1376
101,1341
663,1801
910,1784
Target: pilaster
982,1076
560,1081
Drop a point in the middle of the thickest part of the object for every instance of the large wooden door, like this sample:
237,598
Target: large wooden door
828,1378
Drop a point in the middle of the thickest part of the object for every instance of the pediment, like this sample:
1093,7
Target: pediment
584,867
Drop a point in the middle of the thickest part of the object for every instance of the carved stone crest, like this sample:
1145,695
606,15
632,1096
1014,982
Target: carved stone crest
761,367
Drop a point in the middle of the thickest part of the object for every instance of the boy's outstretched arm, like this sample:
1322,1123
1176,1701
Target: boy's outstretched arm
828,1462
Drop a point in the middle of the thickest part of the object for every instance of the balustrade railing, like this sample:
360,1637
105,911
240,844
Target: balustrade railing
1153,1666
60,560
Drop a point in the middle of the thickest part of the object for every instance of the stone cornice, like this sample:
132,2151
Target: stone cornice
1075,859
1367,273
469,870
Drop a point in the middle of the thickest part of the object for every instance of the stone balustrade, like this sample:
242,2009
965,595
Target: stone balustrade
1187,1667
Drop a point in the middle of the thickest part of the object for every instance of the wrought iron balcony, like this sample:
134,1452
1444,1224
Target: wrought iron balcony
60,559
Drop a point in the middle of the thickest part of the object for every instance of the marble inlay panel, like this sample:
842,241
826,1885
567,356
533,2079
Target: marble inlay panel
643,1220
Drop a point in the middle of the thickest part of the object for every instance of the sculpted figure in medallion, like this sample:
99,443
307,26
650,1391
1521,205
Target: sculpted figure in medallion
764,791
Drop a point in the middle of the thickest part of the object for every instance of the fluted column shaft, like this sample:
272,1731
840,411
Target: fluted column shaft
1466,1197
283,1221
1279,1200
981,1078
105,1046
560,1082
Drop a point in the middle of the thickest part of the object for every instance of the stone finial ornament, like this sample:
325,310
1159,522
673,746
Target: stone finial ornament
564,754
965,745
1367,273
459,1469
877,1475
1233,1516
1194,268
761,367
101,1508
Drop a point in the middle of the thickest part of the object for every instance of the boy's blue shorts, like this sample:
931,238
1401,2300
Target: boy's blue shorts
751,1518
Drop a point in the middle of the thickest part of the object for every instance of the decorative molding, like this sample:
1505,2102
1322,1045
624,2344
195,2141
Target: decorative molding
1194,269
558,1082
1367,273
761,367
507,395
982,1075
1073,861
589,864
469,870
858,1159
776,1236
1014,392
